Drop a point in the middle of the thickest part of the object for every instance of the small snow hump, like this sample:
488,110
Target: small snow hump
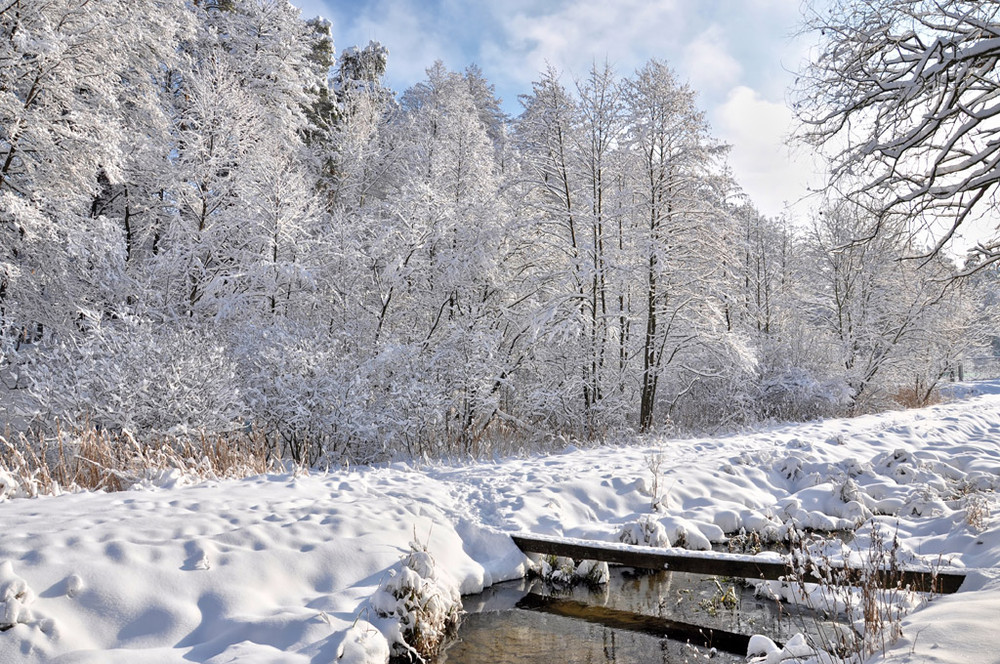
74,584
761,646
15,597
197,556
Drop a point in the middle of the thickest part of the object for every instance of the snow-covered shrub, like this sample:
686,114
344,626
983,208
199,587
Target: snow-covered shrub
762,650
330,399
426,605
797,394
363,644
976,481
790,468
654,462
722,390
9,486
137,375
746,542
593,572
645,531
975,493
312,392
692,535
558,570
870,593
884,600
671,530
977,511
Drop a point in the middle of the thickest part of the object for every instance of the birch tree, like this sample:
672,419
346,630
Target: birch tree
546,135
572,150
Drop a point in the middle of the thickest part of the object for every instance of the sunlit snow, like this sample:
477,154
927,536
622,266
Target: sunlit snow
284,568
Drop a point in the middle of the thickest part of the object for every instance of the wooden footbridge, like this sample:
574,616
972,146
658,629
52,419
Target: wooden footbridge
738,565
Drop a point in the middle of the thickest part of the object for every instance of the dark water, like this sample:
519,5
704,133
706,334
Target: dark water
612,625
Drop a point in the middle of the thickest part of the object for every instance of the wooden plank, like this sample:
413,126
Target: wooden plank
707,637
728,564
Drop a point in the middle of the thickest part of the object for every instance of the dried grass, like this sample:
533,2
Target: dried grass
91,459
873,598
916,397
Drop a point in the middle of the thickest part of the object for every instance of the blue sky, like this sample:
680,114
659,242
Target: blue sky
738,54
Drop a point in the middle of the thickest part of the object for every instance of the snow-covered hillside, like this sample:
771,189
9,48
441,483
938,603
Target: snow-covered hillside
284,568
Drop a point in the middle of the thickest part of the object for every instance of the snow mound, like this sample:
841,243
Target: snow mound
15,598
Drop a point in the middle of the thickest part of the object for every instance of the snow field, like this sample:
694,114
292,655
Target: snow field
300,567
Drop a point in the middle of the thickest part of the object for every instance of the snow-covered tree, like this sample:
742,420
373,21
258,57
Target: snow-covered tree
208,221
903,94
73,77
439,268
546,141
351,117
885,316
676,210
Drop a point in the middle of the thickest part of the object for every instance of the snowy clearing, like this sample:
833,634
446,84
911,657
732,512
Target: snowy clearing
289,568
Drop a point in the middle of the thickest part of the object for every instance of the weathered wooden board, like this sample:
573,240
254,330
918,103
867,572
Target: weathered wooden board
727,564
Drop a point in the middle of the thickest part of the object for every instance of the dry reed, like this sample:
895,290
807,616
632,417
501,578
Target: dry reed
100,460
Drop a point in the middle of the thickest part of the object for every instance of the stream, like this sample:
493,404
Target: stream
638,617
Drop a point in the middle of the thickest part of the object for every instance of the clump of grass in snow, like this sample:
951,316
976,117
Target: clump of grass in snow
426,605
872,598
560,571
977,511
645,531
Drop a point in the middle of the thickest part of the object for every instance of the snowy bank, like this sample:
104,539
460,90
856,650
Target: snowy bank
293,568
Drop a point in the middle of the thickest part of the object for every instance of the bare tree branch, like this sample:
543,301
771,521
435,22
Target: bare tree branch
904,96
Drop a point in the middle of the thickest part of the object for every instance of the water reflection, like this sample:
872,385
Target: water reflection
496,630
530,637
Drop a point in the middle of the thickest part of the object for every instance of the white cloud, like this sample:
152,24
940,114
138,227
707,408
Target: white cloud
708,64
410,35
770,173
626,32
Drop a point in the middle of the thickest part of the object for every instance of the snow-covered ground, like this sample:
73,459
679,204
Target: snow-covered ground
285,568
